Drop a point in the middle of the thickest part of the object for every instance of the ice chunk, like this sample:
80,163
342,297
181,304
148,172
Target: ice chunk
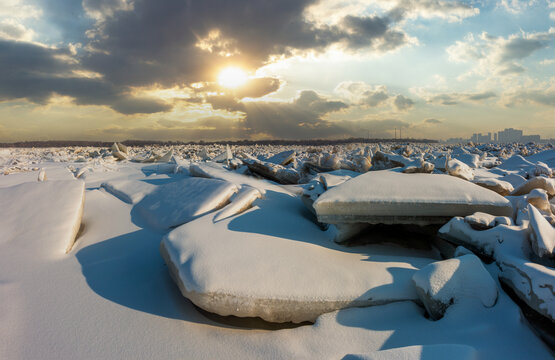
501,187
542,236
508,246
242,201
539,182
336,177
42,175
443,283
130,191
166,157
420,352
532,283
459,169
271,261
45,214
390,197
480,221
424,167
274,172
283,158
179,202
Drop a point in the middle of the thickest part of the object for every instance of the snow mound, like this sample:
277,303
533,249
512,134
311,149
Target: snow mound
390,197
45,214
420,352
179,202
129,191
273,262
443,283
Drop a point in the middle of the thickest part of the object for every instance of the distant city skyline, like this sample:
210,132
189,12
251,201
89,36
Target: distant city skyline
293,69
508,135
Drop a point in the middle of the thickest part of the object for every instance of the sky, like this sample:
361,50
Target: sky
265,69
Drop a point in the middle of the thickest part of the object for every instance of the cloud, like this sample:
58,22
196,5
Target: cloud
37,73
433,121
332,11
363,94
516,6
456,98
493,55
403,103
10,29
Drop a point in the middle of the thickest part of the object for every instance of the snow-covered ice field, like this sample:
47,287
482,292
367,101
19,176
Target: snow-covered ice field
358,251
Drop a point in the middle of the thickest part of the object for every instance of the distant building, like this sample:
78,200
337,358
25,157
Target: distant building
479,138
509,135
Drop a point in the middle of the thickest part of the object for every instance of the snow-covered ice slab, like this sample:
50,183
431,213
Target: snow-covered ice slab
447,282
129,191
420,352
179,202
273,262
46,213
395,198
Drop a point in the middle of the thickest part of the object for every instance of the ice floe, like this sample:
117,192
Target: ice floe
390,197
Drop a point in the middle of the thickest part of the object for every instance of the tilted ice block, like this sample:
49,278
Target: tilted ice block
46,213
542,234
273,262
182,201
390,197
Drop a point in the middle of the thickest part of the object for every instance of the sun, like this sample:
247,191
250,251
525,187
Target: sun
232,77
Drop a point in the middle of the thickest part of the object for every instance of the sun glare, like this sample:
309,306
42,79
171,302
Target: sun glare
232,77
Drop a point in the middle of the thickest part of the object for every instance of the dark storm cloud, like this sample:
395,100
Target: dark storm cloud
172,42
160,41
36,73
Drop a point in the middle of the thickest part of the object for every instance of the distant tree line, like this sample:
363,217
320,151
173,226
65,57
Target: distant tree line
310,142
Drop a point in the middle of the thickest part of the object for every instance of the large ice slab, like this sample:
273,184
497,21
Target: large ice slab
182,201
273,262
46,213
390,197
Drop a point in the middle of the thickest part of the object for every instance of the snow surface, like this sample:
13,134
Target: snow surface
390,197
112,297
